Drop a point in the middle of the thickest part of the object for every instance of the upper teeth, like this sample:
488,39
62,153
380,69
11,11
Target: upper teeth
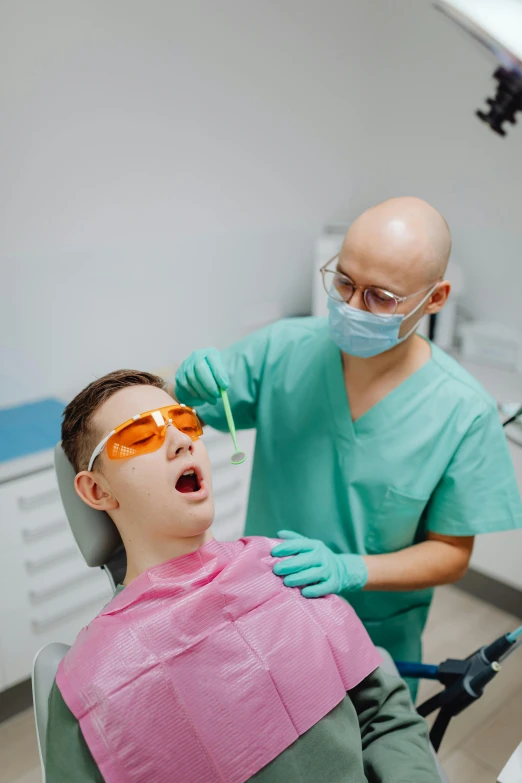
188,473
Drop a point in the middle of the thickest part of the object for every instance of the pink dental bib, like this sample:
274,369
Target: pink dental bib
207,667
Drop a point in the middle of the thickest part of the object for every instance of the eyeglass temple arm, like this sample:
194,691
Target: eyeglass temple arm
431,288
99,448
329,262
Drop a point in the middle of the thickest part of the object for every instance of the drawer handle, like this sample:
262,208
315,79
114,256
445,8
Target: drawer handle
40,626
41,499
43,532
40,596
34,566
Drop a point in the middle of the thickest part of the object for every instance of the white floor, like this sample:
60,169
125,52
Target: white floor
478,743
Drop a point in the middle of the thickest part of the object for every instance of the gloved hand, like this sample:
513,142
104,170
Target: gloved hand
200,378
316,565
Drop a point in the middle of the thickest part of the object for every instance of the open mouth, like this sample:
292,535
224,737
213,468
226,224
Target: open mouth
188,482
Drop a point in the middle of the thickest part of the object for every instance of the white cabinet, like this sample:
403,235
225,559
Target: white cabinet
498,555
231,483
47,593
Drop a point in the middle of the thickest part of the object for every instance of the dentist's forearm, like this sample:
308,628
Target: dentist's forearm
437,561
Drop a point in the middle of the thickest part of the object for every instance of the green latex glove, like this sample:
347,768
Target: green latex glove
315,565
201,378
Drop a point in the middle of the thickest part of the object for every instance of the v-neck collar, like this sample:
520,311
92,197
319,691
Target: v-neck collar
380,414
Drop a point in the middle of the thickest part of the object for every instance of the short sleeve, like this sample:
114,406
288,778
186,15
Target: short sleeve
478,492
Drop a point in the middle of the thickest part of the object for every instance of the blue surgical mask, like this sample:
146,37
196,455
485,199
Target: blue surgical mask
363,334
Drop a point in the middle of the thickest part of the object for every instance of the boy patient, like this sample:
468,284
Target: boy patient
204,667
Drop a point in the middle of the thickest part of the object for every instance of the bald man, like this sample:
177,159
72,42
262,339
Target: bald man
378,458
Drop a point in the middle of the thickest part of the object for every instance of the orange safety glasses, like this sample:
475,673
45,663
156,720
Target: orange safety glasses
146,432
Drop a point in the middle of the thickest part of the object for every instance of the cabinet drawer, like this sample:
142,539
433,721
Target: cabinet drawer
32,533
32,493
51,592
61,585
34,499
33,618
57,611
31,510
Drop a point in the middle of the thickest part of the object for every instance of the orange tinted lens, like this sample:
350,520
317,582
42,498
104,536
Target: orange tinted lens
140,437
186,421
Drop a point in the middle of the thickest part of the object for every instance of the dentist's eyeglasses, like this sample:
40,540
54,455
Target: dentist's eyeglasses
378,301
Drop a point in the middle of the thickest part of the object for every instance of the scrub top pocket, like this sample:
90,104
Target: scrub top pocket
394,525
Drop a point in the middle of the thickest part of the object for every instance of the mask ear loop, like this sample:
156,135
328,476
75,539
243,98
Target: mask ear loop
414,328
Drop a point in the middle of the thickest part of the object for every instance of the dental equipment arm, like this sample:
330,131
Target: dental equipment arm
497,25
464,680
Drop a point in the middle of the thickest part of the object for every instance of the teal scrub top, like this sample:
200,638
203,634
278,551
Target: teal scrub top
430,456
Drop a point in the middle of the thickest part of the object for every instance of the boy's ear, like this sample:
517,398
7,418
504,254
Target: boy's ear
91,490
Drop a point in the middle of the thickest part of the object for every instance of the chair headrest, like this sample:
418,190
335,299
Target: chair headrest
95,533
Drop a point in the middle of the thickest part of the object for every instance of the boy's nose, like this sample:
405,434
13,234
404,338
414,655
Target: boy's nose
177,442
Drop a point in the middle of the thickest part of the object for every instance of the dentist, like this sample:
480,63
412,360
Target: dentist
378,458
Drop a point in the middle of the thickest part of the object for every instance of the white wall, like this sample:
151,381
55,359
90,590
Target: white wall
165,167
425,79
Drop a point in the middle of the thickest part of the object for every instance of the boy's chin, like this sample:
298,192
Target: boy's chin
200,521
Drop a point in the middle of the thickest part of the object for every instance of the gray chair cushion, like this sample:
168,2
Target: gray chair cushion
44,672
95,532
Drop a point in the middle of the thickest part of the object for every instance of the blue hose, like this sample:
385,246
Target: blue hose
428,672
417,670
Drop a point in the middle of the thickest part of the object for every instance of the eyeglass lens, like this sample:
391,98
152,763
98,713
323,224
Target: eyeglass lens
377,301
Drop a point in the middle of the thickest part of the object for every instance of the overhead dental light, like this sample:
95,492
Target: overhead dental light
497,25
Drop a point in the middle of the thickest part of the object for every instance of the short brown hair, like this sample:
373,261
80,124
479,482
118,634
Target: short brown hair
78,437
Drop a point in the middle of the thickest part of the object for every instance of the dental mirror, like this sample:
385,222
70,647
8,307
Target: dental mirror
238,456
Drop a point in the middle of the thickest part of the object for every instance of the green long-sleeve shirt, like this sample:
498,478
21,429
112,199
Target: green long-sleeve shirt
372,736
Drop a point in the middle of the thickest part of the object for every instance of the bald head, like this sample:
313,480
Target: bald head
402,244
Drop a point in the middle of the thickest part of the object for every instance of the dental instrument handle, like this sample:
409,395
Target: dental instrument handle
515,635
230,418
497,649
238,456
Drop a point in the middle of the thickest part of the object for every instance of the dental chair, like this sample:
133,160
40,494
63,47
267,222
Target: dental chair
101,546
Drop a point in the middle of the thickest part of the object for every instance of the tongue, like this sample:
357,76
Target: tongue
187,484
